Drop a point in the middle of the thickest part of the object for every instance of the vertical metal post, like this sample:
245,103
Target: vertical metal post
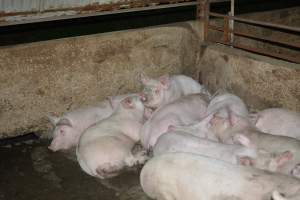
231,22
226,37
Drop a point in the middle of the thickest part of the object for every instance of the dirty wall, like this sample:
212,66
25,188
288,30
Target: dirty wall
61,75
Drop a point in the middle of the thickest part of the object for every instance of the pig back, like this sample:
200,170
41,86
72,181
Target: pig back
194,177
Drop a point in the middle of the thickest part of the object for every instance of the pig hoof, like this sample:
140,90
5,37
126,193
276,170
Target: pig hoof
296,171
277,196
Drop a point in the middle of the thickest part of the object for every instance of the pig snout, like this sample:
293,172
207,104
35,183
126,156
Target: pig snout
143,97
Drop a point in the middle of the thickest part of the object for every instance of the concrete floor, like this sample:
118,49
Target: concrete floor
30,171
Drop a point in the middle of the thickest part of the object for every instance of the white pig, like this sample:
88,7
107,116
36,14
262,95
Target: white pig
236,128
184,110
105,148
278,121
68,128
180,141
165,89
174,176
229,101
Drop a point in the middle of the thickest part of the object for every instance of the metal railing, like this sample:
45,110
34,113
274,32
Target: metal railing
229,31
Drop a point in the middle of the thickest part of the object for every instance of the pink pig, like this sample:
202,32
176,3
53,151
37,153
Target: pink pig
182,111
278,121
104,149
165,89
69,127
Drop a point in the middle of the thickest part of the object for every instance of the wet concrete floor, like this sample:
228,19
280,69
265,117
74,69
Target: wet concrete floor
28,170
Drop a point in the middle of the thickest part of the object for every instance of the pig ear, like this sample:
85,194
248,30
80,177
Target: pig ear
127,103
165,81
144,79
53,119
65,122
246,161
283,158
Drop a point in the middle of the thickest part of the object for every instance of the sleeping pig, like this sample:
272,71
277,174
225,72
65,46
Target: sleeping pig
184,110
69,127
104,149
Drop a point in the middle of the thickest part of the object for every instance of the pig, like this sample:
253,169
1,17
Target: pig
236,128
165,89
228,101
277,196
68,128
184,110
104,149
278,121
180,141
189,176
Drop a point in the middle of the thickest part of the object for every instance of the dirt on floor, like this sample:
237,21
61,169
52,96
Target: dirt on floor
28,170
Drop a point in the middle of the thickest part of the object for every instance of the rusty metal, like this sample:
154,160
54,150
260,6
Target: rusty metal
252,36
104,9
262,52
206,10
226,36
255,22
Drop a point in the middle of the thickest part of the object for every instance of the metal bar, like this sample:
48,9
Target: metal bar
100,13
249,35
226,36
231,22
206,10
250,21
262,52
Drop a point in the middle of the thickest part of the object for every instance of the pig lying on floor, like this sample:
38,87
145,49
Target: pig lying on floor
174,176
180,141
104,149
68,128
278,121
184,110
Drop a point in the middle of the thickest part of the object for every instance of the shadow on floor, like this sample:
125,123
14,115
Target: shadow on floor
28,170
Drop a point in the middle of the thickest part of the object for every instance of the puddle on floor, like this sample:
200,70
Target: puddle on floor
31,171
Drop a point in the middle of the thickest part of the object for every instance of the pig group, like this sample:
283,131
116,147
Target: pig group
200,146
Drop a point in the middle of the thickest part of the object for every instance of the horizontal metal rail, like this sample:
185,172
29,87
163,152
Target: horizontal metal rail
255,22
262,52
252,36
100,13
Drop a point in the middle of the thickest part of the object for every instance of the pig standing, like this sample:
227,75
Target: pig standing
69,127
184,110
165,89
278,121
188,176
105,148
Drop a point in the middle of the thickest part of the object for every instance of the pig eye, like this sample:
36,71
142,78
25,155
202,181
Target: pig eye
62,132
157,91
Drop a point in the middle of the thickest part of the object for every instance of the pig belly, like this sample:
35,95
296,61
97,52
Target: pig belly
188,176
107,153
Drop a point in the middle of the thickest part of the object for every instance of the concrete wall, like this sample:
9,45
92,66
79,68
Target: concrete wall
61,75
260,81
